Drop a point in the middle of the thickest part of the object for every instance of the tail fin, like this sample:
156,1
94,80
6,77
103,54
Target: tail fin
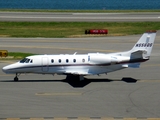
144,44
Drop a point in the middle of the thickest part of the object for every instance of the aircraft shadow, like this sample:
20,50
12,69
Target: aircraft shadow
83,83
80,84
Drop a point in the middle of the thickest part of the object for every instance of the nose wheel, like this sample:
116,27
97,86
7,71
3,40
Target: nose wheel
16,77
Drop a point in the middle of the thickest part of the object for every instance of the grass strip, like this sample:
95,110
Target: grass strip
18,55
72,29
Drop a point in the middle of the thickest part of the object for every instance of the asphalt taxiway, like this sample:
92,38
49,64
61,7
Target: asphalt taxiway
129,93
72,17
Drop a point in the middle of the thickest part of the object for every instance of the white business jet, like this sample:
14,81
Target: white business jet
85,64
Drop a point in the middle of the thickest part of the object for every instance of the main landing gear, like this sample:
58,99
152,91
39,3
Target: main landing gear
16,77
75,77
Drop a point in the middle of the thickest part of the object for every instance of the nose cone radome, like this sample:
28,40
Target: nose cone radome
8,69
5,69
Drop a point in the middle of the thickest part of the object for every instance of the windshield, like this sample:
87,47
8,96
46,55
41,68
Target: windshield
25,60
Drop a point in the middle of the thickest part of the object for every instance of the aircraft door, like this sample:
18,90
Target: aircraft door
88,58
45,64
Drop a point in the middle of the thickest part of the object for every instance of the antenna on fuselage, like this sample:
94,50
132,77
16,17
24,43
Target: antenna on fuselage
75,53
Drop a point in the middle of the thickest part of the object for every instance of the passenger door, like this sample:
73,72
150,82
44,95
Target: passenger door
45,64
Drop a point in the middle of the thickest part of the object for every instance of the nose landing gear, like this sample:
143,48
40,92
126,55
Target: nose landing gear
16,77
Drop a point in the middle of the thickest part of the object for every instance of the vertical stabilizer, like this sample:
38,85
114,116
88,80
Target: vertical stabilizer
145,44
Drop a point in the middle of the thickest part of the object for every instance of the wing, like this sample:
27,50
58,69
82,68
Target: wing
76,72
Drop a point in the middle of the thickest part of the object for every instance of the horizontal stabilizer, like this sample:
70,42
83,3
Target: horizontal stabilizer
131,65
134,65
138,54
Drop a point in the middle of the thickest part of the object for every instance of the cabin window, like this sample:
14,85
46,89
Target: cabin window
74,60
52,61
67,60
83,60
59,60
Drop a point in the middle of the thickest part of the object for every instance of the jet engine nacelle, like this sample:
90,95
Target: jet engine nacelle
103,59
107,59
100,59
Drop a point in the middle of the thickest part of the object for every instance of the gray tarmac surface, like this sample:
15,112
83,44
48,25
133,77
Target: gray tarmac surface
87,17
128,93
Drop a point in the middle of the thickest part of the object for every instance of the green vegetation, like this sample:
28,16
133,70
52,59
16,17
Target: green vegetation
16,56
19,55
72,29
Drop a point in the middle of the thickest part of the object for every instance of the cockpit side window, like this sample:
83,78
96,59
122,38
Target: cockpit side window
23,60
31,61
27,61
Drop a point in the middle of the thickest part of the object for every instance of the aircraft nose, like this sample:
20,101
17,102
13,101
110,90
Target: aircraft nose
10,69
5,69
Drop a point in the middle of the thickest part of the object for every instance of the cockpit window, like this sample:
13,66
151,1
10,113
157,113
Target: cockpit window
25,60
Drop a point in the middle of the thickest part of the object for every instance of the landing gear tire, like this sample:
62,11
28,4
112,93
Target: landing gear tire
16,79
